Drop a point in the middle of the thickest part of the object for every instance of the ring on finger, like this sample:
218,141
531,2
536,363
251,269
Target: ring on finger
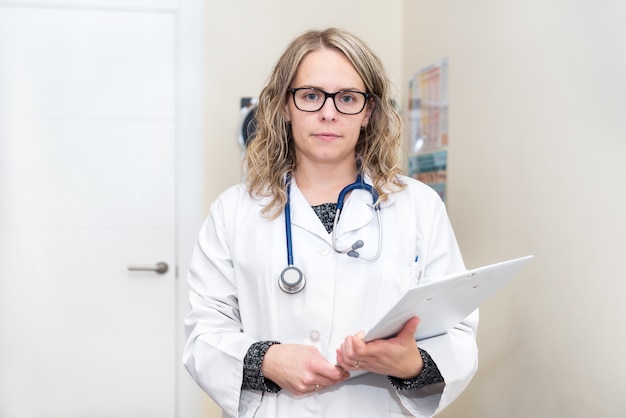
317,387
358,364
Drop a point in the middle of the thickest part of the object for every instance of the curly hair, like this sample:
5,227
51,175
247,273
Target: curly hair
270,156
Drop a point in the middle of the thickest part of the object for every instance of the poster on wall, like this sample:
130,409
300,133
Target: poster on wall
430,168
428,107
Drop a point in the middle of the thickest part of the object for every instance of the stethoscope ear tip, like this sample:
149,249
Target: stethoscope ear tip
353,252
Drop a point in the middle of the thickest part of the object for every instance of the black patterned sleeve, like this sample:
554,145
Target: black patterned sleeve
253,378
429,376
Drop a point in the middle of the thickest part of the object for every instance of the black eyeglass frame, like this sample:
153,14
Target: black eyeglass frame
331,95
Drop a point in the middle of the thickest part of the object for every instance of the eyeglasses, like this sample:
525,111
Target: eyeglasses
348,102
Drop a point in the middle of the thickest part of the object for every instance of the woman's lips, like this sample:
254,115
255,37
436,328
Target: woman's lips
326,136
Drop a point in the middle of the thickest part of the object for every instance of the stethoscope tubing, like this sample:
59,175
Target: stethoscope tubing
288,226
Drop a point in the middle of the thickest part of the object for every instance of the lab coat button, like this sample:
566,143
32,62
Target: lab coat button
314,336
324,251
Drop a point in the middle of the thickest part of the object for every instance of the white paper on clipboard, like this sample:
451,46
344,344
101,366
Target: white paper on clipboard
443,303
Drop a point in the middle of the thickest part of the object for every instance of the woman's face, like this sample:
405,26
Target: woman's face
326,136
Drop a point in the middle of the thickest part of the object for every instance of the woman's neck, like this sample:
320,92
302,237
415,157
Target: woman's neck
323,184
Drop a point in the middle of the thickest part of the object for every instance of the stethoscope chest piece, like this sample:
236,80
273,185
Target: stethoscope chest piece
291,280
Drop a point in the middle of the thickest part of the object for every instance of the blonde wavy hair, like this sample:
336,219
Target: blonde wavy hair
270,156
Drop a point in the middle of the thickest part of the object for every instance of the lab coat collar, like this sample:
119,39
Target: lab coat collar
357,212
358,209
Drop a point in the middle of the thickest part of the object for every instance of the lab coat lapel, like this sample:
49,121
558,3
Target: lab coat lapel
303,216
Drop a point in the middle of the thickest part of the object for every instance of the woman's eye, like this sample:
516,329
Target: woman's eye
346,98
311,97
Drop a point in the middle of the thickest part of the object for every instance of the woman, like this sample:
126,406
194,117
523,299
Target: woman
262,346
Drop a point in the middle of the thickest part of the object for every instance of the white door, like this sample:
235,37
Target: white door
87,189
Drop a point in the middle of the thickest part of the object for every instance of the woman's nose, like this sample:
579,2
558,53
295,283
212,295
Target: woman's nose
328,110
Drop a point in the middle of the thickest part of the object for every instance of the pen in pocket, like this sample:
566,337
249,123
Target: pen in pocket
415,273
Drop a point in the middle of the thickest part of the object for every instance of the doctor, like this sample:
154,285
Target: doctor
322,238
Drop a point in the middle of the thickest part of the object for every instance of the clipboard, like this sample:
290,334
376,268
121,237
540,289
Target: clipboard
444,302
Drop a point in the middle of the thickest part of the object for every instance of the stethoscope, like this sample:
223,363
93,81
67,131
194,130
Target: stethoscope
291,279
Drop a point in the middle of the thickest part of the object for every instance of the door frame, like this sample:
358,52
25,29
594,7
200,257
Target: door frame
189,18
189,185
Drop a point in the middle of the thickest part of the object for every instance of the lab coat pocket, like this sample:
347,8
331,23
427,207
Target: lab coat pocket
397,274
415,274
394,284
249,402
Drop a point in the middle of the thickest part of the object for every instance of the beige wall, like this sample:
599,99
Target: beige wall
538,139
537,131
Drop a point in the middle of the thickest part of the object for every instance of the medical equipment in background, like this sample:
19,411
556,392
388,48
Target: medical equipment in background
247,125
291,279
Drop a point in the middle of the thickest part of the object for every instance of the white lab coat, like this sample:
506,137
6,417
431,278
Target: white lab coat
236,301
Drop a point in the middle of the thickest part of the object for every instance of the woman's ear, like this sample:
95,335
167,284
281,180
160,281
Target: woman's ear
368,113
286,114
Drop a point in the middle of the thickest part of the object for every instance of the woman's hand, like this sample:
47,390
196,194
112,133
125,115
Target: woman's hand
300,369
397,356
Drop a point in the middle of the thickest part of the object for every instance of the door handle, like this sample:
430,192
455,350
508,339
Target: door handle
160,268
